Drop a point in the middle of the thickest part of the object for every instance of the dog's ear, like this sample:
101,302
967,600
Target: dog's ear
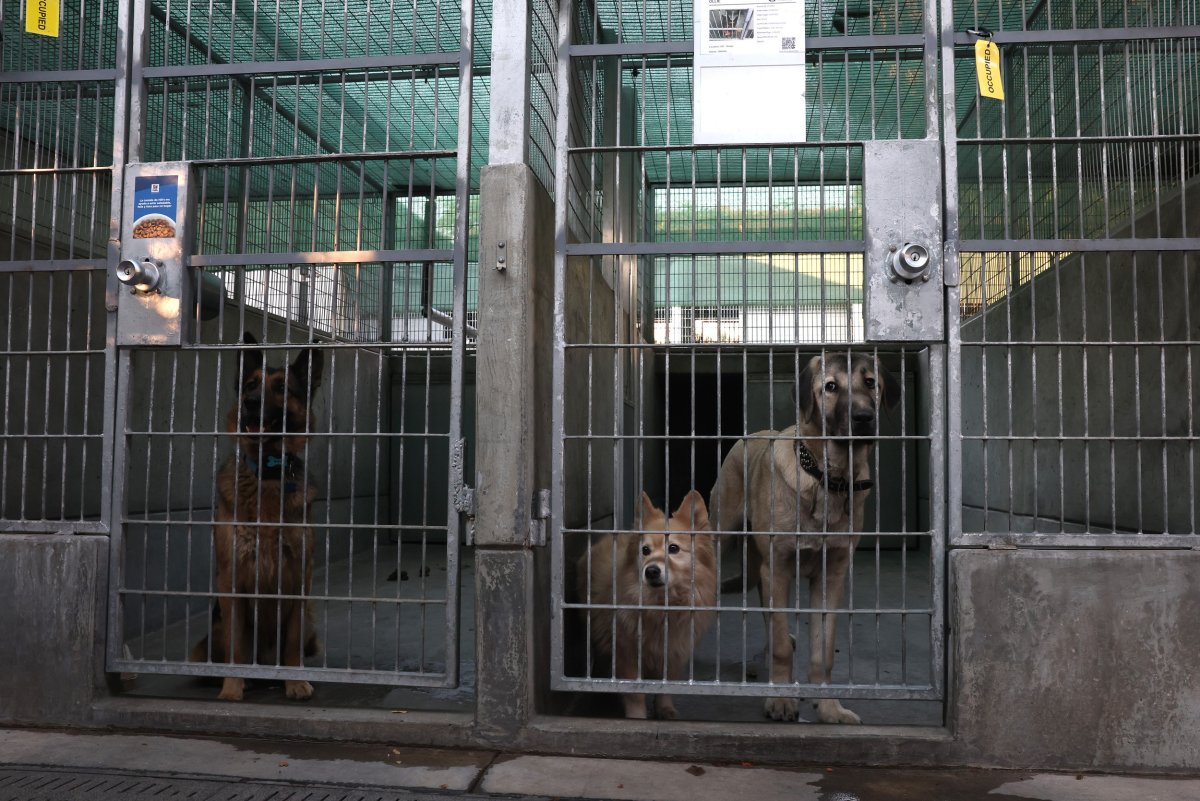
251,358
802,393
308,367
692,511
889,387
645,510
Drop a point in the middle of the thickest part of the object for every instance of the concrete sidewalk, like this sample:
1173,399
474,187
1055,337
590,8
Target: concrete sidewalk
37,765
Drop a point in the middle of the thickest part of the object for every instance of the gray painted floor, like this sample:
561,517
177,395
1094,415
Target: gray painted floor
883,648
60,766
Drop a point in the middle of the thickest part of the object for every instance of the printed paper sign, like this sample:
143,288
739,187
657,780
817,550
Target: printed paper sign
987,67
747,27
749,72
155,206
41,17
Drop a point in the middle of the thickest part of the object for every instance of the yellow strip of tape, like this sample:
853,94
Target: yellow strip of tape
987,66
41,17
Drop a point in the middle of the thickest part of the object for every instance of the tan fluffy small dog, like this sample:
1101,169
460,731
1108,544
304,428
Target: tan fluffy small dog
667,564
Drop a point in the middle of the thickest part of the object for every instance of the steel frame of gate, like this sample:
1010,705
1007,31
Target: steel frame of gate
569,51
130,124
1069,40
95,269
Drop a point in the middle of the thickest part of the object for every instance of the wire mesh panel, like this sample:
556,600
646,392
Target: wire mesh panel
284,479
1078,276
746,502
59,100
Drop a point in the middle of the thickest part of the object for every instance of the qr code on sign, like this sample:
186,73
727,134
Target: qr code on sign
789,42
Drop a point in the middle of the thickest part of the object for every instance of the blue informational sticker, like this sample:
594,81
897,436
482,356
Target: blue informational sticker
155,206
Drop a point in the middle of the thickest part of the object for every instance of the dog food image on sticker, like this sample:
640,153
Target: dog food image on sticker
153,229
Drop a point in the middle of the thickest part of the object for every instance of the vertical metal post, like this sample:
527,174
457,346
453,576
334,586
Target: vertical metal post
239,275
129,51
514,341
462,227
562,168
951,279
616,226
509,133
134,121
128,112
387,269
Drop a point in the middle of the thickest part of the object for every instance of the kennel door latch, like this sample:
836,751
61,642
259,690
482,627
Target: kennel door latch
164,294
462,496
903,299
540,519
464,503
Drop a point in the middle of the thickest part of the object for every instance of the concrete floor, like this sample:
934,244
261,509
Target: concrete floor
883,648
59,766
398,633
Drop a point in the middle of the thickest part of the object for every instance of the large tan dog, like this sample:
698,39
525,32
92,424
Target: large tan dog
263,544
797,481
667,563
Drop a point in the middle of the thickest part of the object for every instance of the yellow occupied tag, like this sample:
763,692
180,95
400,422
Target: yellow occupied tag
987,65
41,17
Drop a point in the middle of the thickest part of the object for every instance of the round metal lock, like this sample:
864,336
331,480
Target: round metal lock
911,262
143,276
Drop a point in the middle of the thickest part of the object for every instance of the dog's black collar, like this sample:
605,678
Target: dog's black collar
808,463
286,468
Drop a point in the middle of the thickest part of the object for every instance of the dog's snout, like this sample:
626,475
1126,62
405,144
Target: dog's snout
654,575
862,414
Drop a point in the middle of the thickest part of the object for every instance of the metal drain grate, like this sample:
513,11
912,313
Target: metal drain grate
39,784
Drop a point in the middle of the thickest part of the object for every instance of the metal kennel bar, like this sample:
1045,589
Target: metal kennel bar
1073,395
693,286
61,163
329,159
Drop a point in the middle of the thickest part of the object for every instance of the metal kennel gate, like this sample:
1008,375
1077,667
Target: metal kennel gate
328,157
1065,373
58,167
1073,382
323,158
704,279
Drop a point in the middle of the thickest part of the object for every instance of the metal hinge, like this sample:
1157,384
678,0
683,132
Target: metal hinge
463,495
541,517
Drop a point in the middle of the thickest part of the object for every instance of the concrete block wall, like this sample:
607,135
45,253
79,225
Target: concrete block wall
53,593
1076,659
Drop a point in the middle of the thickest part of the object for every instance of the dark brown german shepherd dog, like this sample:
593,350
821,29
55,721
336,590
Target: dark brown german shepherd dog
263,543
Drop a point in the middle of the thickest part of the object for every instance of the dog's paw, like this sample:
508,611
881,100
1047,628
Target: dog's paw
635,706
665,710
782,709
830,710
231,689
298,690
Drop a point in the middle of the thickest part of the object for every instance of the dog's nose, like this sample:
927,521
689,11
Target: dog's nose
654,574
862,415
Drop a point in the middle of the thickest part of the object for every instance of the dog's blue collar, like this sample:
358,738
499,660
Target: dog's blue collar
276,468
272,462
